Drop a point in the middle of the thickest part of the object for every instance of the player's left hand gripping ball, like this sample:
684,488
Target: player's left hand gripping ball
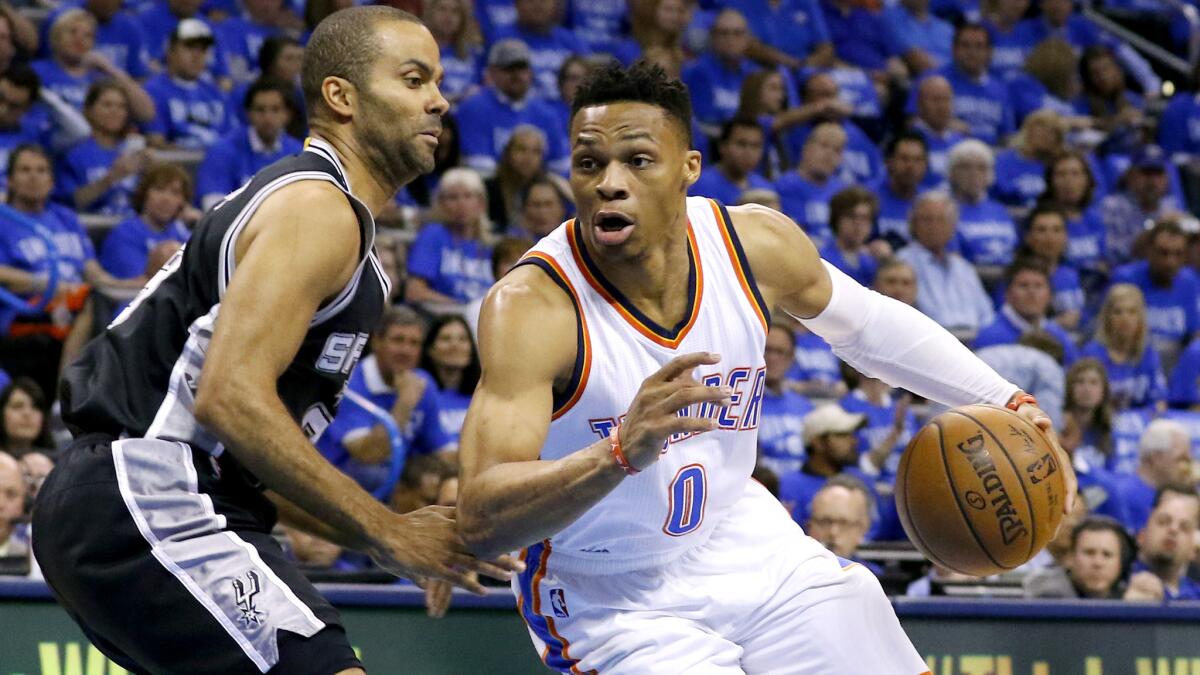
1026,406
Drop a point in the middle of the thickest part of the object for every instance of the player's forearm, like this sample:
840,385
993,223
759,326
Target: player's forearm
260,433
509,506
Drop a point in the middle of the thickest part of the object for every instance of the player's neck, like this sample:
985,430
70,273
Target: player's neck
371,187
654,279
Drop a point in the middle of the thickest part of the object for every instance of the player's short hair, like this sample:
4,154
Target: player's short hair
345,44
399,315
643,82
157,176
906,136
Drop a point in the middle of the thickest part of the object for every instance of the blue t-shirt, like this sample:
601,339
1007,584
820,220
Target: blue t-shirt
1133,385
1133,500
982,104
860,267
857,89
1085,241
240,40
815,361
548,51
986,233
878,426
462,73
599,24
1010,48
714,184
794,27
808,204
781,431
495,16
1127,428
859,36
459,268
1179,127
119,39
861,160
892,223
26,251
715,87
939,153
1002,331
485,122
1019,179
86,163
1188,589
70,88
1067,291
1172,313
1027,95
933,35
1183,389
453,411
188,114
232,161
157,23
127,248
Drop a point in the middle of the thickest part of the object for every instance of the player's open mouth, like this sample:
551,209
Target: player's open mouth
612,227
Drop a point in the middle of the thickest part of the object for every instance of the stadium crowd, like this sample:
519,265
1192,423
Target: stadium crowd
1005,166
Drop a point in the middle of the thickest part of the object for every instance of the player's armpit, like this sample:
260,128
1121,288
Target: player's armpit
786,265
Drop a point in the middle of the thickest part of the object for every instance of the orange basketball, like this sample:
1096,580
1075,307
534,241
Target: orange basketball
980,490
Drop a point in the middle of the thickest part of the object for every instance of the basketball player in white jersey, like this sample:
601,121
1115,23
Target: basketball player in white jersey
614,429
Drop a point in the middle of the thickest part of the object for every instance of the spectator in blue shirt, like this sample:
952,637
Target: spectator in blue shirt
816,371
1166,544
832,450
715,78
449,355
1164,461
356,441
1021,169
99,174
159,21
573,72
1059,19
1045,238
1179,126
1144,198
241,153
860,37
448,263
791,33
118,34
805,192
191,112
242,36
852,214
861,162
1171,290
1105,96
19,88
1183,389
906,158
487,118
781,429
453,26
765,97
160,204
1011,38
980,98
740,150
1026,305
1122,344
923,39
73,65
936,123
987,235
889,426
598,24
281,58
1086,429
549,43
494,16
1071,188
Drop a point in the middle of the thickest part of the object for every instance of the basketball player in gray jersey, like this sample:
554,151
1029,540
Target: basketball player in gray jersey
196,410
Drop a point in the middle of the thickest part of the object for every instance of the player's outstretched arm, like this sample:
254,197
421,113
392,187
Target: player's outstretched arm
300,248
879,336
508,497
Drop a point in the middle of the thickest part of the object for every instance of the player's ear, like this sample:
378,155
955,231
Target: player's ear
691,167
340,95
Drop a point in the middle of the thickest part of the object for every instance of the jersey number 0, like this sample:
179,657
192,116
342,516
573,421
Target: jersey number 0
687,493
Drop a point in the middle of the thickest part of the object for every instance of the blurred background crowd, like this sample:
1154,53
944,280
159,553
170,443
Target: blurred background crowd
1025,172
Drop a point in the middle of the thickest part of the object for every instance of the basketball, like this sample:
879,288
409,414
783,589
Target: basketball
980,490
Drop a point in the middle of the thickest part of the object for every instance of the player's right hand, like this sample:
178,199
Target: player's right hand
424,544
653,416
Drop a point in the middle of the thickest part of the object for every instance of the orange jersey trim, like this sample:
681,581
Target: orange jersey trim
585,344
736,260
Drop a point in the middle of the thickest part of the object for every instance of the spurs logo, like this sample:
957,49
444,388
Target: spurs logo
245,588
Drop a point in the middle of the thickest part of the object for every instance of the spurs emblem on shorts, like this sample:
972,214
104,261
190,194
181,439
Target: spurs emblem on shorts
558,600
245,588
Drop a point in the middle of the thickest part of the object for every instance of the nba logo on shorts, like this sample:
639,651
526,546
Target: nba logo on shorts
559,602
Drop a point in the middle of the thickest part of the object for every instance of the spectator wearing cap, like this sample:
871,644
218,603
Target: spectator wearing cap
191,111
852,214
980,98
73,65
906,159
538,26
935,122
242,35
831,446
1183,387
1164,462
1026,306
118,34
950,290
1144,198
740,149
1167,543
486,119
159,22
714,79
1171,290
241,153
923,39
781,430
986,232
805,192
454,28
861,162
160,202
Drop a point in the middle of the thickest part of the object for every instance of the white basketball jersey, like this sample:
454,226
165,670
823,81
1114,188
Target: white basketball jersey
660,513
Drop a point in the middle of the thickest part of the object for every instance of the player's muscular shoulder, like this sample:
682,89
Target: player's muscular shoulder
528,323
315,209
786,265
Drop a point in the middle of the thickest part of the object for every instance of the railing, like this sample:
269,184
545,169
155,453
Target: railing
1149,48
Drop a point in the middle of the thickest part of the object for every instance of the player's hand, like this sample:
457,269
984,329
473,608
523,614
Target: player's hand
424,546
438,595
1041,420
653,418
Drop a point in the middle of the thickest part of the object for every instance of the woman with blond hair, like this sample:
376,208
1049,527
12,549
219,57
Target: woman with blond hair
1134,371
1021,169
453,25
449,263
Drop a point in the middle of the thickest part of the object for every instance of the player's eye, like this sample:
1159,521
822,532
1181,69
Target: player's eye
641,161
414,81
585,163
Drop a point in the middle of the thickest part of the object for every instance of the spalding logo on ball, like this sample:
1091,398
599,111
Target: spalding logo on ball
979,490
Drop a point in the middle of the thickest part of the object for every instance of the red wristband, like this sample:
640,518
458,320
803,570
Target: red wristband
619,454
1019,400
